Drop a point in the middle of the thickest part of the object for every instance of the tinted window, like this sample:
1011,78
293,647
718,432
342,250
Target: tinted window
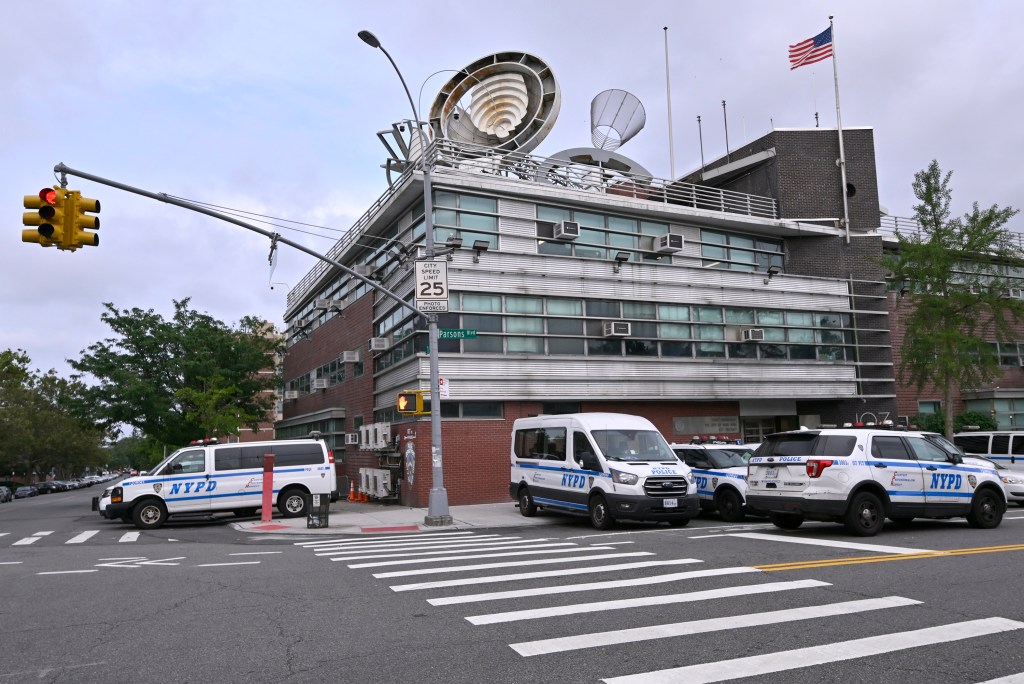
251,457
541,443
972,444
1000,444
788,445
835,445
889,447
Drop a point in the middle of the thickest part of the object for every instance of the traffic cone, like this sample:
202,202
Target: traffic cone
363,497
352,492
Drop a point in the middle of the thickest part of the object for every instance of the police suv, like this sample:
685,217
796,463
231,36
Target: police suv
207,477
721,476
860,477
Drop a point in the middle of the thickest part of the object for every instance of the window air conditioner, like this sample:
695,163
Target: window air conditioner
670,242
291,394
352,438
320,383
350,356
567,230
378,343
753,335
616,329
1014,292
322,304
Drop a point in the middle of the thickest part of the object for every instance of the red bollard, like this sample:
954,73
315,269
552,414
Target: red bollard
268,488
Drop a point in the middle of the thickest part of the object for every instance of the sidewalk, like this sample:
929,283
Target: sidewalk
346,517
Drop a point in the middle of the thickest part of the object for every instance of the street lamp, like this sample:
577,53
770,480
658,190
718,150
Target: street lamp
437,507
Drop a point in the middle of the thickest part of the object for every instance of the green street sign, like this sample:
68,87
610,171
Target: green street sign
456,334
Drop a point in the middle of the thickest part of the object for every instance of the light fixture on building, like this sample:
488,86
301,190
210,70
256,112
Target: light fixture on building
772,272
450,245
620,258
480,246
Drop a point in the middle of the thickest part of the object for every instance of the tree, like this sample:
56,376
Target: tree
958,273
181,379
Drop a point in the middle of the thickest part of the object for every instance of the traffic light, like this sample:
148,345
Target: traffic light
78,222
410,403
48,217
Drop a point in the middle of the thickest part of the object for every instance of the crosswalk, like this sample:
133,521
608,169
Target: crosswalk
536,581
49,538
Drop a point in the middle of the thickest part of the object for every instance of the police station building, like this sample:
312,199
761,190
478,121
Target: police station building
735,301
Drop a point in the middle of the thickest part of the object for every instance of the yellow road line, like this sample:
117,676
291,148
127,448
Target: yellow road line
804,565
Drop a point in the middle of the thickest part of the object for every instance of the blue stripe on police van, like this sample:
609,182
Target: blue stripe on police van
229,473
562,469
718,473
930,493
556,502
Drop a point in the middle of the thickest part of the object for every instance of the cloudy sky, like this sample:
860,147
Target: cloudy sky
272,107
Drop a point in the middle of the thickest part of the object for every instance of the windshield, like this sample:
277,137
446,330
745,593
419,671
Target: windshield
944,444
155,470
633,445
725,458
744,452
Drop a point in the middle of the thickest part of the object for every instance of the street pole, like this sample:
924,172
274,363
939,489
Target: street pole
437,507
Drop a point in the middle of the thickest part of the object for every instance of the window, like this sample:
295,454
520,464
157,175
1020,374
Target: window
187,462
925,450
929,406
543,444
889,447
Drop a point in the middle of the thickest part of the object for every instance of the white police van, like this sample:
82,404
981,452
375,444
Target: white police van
208,477
721,478
610,466
860,477
1006,450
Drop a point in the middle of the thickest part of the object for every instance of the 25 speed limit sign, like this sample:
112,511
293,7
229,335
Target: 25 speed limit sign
432,286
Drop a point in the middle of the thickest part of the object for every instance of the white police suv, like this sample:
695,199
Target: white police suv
721,478
860,477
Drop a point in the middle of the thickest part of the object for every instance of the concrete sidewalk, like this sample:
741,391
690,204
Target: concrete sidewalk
346,517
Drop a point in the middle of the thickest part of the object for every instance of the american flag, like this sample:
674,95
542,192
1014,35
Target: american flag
811,50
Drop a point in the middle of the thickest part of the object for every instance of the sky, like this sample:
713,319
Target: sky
273,108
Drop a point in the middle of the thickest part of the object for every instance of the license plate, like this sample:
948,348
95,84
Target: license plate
670,503
771,473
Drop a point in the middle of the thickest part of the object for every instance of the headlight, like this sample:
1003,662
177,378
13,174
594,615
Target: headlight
690,477
117,495
1012,479
620,477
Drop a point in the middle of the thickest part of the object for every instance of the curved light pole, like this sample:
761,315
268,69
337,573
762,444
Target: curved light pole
437,510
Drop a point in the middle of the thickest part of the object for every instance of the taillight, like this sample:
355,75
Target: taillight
330,457
816,468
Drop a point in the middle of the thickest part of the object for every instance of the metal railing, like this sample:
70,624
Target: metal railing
892,226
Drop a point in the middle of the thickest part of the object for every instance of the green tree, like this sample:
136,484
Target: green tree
956,272
180,379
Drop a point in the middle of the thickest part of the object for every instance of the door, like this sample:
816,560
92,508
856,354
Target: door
185,483
948,488
892,465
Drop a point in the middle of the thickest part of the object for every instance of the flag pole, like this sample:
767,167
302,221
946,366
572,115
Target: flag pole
839,126
668,98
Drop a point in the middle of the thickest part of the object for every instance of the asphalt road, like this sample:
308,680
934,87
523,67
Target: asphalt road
202,602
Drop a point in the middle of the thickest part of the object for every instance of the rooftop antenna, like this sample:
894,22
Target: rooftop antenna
816,119
725,119
700,136
668,98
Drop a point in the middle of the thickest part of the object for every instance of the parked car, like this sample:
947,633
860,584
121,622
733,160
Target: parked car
6,495
46,487
25,492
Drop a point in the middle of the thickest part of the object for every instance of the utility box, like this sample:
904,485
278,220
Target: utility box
319,511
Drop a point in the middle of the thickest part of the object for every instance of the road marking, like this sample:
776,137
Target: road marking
43,534
710,536
255,553
79,538
1017,678
219,565
588,586
831,562
474,549
506,554
129,537
26,541
4,534
404,537
65,572
774,617
11,562
587,570
412,546
660,600
509,564
780,661
46,671
827,542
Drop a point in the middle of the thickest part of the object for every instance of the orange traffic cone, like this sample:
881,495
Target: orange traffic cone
352,492
363,497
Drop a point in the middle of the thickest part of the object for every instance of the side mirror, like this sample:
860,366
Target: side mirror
589,461
955,458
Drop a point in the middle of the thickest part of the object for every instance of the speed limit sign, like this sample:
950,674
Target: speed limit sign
432,286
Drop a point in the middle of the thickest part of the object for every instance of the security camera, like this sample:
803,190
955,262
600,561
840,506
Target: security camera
402,129
455,116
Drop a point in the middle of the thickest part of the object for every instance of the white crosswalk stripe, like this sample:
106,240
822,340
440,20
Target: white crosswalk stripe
440,556
79,538
129,537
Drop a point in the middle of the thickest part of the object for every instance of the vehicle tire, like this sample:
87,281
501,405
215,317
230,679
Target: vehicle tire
786,521
149,514
986,510
244,512
293,503
729,505
600,517
526,505
679,522
865,516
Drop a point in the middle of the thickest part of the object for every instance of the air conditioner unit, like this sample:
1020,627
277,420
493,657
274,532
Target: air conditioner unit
350,356
365,270
322,304
567,230
670,242
753,334
320,383
1014,292
291,394
365,437
352,438
378,343
616,329
381,435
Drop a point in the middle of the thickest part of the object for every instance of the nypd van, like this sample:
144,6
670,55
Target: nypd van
860,477
610,466
1006,450
210,477
721,477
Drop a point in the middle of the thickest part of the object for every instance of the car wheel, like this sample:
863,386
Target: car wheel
786,521
865,516
600,516
526,505
293,503
149,515
729,505
986,510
